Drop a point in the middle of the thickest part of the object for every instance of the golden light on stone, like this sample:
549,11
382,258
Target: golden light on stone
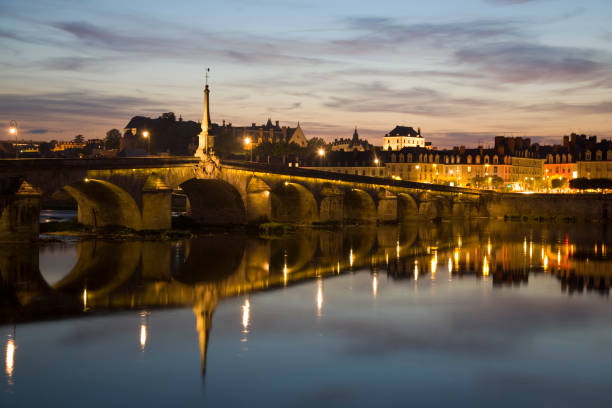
485,267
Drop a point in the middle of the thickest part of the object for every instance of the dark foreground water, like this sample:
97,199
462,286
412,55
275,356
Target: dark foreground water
497,315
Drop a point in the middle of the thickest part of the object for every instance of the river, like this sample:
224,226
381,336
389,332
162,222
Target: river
457,314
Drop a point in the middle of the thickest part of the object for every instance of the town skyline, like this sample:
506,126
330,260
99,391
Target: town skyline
452,70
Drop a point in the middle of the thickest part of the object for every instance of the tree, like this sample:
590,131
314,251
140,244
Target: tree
79,139
113,139
590,184
558,182
169,116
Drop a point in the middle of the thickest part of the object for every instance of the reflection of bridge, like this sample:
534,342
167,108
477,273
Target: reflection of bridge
198,272
136,193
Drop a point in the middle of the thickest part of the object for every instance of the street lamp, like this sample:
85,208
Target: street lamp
321,154
145,134
14,128
247,142
376,161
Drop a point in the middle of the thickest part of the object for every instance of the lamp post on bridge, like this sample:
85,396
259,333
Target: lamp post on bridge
14,131
145,134
14,128
249,145
321,155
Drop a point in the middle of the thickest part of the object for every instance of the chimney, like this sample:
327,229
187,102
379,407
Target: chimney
462,149
277,123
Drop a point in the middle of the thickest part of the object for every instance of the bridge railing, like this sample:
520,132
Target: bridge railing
14,165
328,175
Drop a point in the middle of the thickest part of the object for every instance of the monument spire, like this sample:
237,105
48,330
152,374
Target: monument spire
203,144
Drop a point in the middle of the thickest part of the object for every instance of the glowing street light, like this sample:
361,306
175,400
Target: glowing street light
249,145
145,134
13,128
376,161
321,153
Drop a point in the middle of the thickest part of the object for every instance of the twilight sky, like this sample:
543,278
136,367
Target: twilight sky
462,71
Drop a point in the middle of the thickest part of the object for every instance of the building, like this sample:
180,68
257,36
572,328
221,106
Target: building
403,136
62,146
164,134
272,133
356,162
352,144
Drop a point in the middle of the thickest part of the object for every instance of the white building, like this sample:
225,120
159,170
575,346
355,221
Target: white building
403,136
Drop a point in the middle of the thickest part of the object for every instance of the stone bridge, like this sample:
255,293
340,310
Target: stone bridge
136,193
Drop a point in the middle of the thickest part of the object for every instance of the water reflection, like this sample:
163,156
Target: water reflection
198,272
144,323
10,358
319,297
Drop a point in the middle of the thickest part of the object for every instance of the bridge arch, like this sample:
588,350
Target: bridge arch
211,259
430,209
102,266
359,206
293,203
257,200
407,207
103,204
214,202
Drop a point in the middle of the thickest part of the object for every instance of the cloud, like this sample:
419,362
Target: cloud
378,97
74,104
511,1
380,34
37,131
72,63
186,45
596,108
525,62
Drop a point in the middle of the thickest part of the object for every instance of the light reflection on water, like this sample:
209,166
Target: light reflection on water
356,330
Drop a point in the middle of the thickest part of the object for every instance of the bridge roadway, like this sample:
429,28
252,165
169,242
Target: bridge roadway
136,193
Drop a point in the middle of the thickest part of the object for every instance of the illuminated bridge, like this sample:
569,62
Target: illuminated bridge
136,193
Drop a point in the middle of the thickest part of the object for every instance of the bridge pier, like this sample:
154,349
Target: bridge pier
258,205
156,205
387,206
331,205
20,218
